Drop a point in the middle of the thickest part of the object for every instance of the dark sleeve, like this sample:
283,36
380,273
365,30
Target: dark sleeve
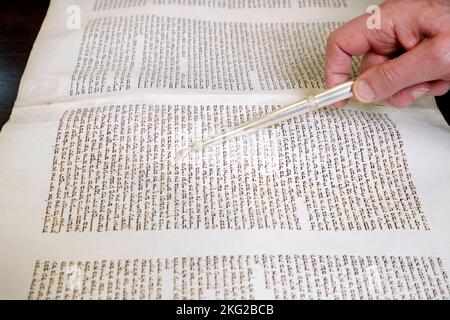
444,105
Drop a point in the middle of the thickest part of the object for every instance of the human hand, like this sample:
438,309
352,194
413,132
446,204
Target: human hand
420,29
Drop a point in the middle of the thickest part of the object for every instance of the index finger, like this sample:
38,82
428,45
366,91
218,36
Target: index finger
349,40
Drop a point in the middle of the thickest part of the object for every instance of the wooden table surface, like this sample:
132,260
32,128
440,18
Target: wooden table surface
20,21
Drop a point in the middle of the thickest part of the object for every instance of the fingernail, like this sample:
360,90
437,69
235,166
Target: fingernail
363,92
419,93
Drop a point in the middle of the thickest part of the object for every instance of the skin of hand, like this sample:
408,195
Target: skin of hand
408,57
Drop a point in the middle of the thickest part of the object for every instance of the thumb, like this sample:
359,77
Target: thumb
423,63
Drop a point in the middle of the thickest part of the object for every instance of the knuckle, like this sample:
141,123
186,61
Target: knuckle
339,39
399,101
331,39
440,50
389,74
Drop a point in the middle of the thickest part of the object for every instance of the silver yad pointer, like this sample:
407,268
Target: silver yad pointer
311,103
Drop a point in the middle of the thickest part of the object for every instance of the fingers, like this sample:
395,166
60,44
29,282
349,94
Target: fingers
355,39
426,62
439,88
349,40
372,59
408,95
424,69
